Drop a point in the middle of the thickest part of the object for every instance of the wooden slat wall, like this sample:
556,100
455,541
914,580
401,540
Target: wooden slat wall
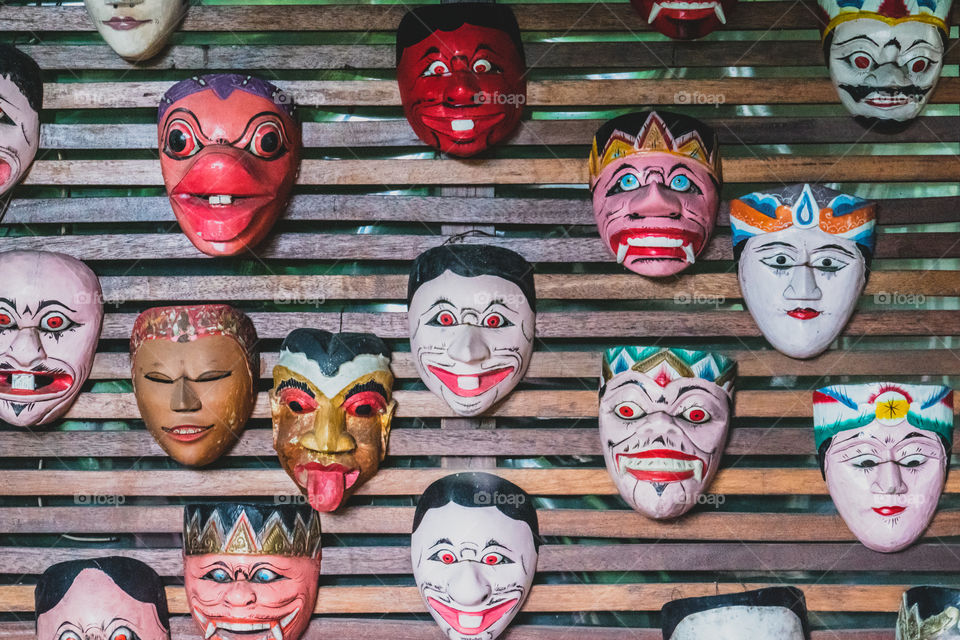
97,482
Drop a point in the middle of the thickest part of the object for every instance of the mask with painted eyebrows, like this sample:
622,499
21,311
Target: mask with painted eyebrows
332,408
883,450
885,56
655,178
21,98
664,415
774,613
472,314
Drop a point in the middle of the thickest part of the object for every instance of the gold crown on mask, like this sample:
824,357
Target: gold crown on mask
247,529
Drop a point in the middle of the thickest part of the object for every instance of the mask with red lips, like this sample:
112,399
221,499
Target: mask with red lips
331,410
21,98
472,314
230,153
51,312
251,571
664,415
461,72
474,551
684,19
655,178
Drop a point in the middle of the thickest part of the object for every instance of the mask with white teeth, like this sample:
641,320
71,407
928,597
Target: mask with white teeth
474,552
684,19
272,551
655,178
664,415
21,98
472,314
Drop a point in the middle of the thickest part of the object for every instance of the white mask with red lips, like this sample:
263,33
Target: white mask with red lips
136,30
21,95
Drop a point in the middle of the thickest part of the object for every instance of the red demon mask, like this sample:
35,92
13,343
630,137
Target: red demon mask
229,152
684,19
461,70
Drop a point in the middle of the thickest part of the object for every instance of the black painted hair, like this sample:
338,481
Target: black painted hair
470,261
673,613
330,350
418,24
24,72
135,578
476,489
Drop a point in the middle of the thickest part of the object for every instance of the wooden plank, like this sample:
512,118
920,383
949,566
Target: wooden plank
563,558
343,208
91,486
553,597
545,93
317,290
700,524
336,247
585,364
532,17
385,133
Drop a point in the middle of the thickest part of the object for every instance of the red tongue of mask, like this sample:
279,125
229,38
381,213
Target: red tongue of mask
326,484
5,171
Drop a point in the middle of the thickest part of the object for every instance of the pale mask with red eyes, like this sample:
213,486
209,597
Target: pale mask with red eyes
885,71
229,163
472,338
474,567
51,312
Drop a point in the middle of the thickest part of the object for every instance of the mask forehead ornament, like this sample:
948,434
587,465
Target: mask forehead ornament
883,449
664,415
802,253
655,178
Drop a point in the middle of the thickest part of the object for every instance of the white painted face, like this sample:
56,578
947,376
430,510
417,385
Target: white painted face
801,287
885,71
471,339
739,622
19,134
136,29
474,567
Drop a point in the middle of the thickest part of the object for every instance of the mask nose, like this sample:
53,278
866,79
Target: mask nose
329,433
26,348
469,346
184,398
462,87
803,285
889,480
240,594
467,586
655,201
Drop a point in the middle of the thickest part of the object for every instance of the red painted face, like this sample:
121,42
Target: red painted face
463,91
684,19
229,166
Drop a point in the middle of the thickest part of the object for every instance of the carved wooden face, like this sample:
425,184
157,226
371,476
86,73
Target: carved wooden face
136,29
21,95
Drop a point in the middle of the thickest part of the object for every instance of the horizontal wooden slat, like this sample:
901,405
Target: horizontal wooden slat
387,482
183,628
366,18
553,597
700,524
585,364
547,93
448,210
395,560
319,289
319,246
381,133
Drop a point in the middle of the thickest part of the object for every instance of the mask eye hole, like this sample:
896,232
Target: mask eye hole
443,319
919,65
496,321
181,140
365,404
6,321
483,66
55,322
628,410
267,141
696,415
123,633
218,575
69,635
437,68
297,400
493,559
444,556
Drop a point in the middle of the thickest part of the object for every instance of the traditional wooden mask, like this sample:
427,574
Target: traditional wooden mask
884,451
885,56
474,551
664,415
655,178
194,372
462,75
803,253
684,19
230,153
21,98
929,613
51,311
774,613
332,409
472,313
112,598
136,29
251,571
